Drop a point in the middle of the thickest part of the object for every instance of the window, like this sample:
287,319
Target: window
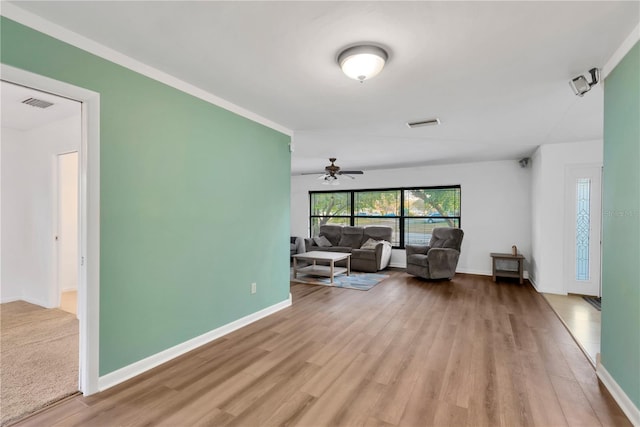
428,208
583,227
412,213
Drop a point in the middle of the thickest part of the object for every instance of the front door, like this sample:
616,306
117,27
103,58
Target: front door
583,206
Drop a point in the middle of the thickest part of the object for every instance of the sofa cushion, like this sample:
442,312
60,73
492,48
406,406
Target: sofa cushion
331,232
322,241
351,236
418,259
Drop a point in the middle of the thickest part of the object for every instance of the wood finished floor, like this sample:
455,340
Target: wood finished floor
581,318
468,352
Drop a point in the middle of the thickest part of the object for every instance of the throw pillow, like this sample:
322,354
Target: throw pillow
322,241
369,244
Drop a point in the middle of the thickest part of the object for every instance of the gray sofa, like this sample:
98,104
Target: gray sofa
296,245
439,259
350,239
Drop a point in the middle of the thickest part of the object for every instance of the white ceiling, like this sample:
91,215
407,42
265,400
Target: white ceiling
18,116
495,73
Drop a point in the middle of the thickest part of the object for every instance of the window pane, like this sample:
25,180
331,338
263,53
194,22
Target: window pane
330,204
389,222
432,202
383,203
317,222
583,227
417,231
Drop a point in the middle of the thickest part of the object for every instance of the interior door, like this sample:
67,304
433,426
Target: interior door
583,207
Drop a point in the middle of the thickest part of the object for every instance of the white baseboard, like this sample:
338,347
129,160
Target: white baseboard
398,265
9,299
473,271
543,290
137,368
525,274
628,407
36,302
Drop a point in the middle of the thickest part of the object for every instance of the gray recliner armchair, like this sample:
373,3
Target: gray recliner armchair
439,259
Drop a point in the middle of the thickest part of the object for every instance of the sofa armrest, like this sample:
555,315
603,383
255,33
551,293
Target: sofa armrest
381,253
417,249
310,245
300,245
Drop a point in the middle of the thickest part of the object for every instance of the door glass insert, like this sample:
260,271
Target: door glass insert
583,227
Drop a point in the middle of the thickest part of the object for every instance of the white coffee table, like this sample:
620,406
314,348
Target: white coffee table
322,270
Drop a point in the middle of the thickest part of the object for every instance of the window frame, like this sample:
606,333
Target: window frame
402,217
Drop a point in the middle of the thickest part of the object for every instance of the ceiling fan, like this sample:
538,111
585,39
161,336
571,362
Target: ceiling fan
331,173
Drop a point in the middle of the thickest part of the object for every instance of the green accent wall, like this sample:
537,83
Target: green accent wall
620,348
194,203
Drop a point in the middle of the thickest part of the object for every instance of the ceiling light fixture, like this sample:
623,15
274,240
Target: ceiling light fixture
580,85
430,122
329,180
362,62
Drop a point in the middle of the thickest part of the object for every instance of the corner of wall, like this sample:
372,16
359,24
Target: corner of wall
630,410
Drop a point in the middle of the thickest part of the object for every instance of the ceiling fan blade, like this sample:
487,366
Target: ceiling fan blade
351,172
313,173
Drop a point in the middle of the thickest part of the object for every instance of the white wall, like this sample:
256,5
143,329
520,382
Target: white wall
548,209
28,203
12,147
495,210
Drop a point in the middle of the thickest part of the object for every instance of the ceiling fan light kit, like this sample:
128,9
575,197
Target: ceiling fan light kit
331,173
362,62
329,180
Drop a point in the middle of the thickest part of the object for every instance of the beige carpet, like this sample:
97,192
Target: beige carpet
38,358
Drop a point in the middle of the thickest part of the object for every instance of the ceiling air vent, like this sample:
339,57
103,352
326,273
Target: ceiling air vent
431,122
38,103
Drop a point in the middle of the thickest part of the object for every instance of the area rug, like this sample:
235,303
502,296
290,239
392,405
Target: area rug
359,281
596,302
38,357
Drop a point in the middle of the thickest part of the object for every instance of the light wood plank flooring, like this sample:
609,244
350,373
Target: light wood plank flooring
406,353
582,319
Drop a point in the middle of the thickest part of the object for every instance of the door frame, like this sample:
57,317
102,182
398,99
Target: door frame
88,219
595,245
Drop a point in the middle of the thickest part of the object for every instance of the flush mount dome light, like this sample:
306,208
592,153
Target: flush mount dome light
362,62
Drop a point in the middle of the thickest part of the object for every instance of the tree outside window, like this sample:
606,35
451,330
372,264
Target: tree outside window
423,209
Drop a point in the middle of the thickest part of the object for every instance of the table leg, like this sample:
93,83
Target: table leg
348,266
295,267
520,270
332,266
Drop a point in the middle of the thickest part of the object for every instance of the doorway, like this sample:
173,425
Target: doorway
40,343
89,218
